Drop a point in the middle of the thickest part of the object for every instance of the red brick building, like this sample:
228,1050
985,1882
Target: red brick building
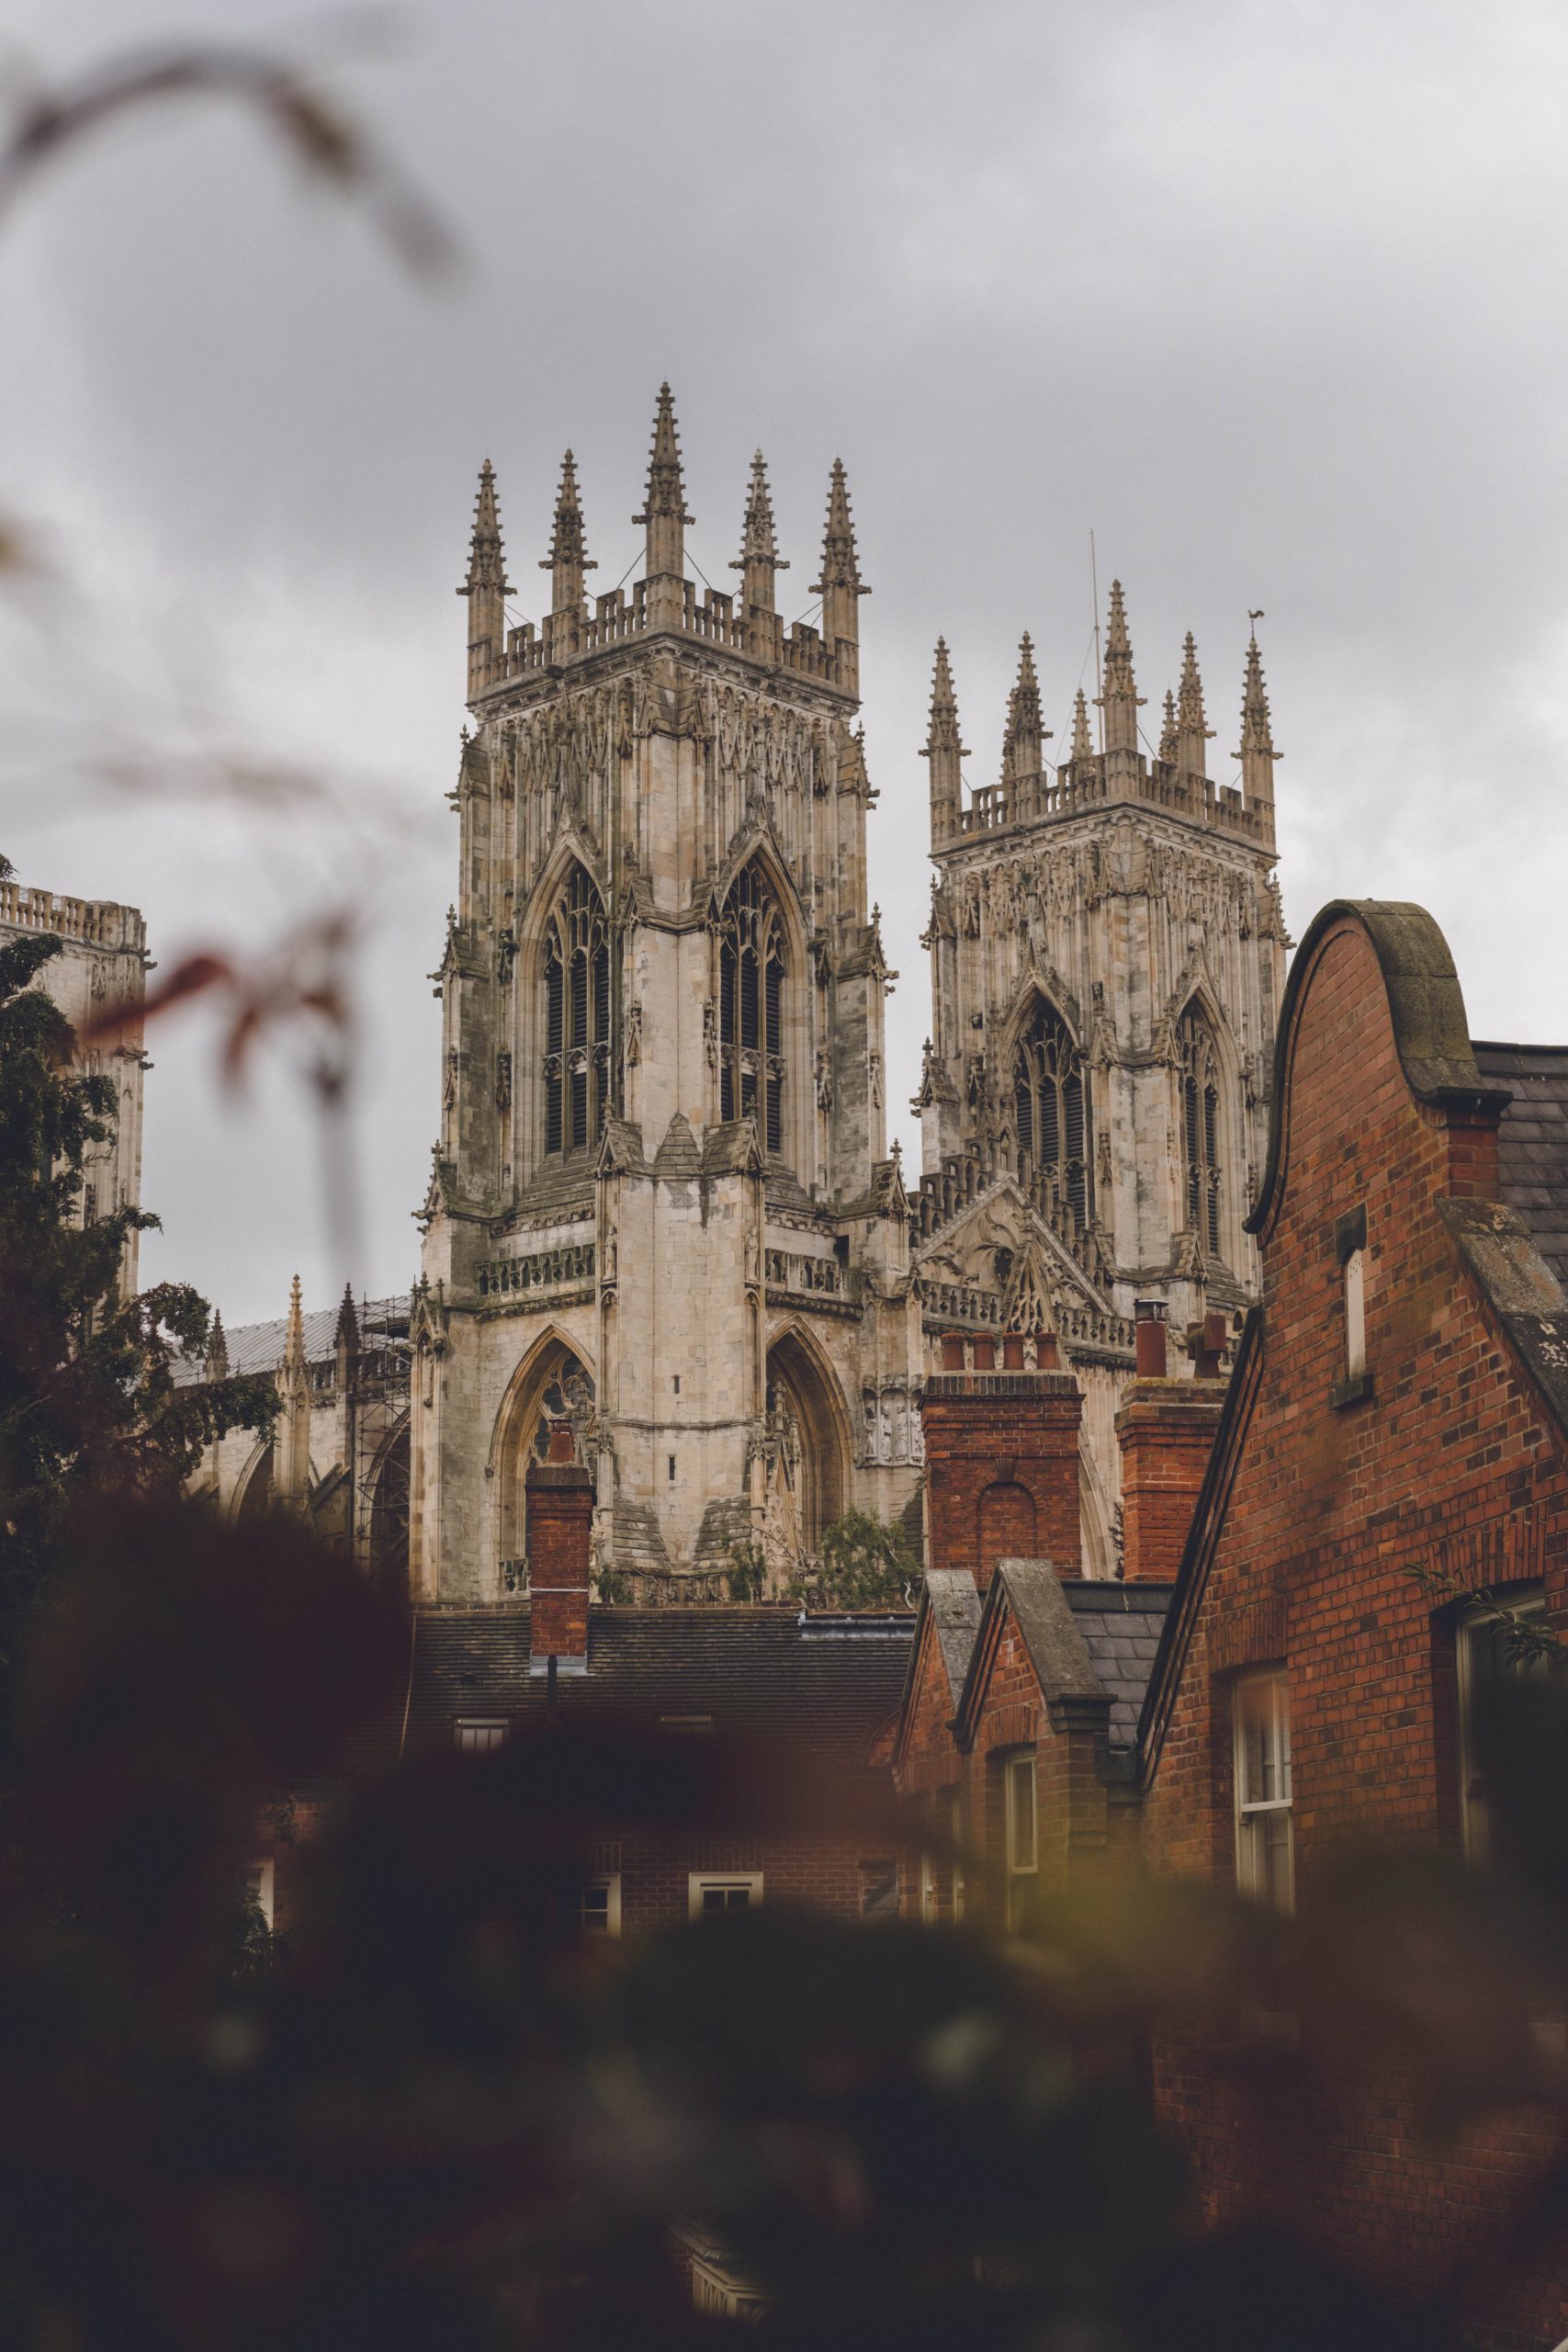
1395,1441
1016,1734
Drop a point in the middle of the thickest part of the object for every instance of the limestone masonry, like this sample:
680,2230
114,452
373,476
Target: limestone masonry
662,1202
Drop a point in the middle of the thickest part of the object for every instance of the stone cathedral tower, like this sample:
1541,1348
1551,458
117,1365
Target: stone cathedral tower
661,1200
1107,958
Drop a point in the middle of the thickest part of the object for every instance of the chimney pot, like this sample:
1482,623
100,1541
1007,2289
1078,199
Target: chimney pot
1149,1338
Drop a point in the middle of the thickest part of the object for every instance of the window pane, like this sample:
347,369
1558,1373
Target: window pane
593,1911
1021,1813
726,1898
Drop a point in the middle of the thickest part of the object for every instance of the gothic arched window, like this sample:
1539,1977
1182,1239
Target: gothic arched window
1052,1124
751,973
1203,1177
577,1018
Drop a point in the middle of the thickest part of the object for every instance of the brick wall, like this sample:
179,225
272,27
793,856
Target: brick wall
1166,1431
1002,1470
1451,1461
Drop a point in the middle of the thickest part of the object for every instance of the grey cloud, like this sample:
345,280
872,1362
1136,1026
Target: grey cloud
1267,297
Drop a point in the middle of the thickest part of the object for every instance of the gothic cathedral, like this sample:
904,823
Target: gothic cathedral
662,1202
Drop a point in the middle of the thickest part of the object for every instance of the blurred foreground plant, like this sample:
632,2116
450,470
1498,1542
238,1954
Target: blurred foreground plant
448,2116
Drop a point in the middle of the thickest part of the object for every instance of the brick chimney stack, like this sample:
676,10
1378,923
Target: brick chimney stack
1002,1463
560,1521
1166,1430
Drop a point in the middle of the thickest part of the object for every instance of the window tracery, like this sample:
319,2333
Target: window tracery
752,968
1202,1175
577,1018
1050,1106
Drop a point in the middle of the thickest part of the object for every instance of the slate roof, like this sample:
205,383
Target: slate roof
1120,1625
1532,1142
258,1347
829,1683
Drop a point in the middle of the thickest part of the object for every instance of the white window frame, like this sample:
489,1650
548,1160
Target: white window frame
261,1879
479,1734
1356,1314
698,1882
928,1890
1260,1818
1525,1602
1020,1770
611,1883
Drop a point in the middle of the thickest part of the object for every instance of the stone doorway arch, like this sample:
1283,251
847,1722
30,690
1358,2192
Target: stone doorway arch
808,1448
551,1384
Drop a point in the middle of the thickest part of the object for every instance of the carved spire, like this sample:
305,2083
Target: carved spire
1258,756
1119,699
664,509
1191,732
486,587
294,1333
840,587
217,1365
1082,746
1023,751
944,749
292,1482
1168,737
758,558
569,559
346,1335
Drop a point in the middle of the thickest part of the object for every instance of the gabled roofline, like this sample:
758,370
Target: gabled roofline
1426,1008
1208,1519
950,1585
1074,1697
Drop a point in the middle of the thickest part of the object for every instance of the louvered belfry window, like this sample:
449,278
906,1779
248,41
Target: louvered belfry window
1053,1125
1201,1128
577,1018
751,977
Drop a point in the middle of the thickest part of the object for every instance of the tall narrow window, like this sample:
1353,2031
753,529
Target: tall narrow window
577,1019
1202,1129
1022,1836
1265,1850
1049,1109
752,976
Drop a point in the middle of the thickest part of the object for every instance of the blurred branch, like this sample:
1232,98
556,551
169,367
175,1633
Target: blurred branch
331,147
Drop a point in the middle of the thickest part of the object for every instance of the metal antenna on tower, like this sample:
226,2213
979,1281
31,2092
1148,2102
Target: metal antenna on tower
1098,666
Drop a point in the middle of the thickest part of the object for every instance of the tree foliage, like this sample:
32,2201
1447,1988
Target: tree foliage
867,1563
89,1403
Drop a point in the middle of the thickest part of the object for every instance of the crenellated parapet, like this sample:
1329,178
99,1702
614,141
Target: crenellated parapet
1126,769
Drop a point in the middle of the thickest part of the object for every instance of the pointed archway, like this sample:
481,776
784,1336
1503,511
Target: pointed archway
808,1429
551,1384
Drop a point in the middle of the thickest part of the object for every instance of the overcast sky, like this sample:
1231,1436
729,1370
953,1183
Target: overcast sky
1270,297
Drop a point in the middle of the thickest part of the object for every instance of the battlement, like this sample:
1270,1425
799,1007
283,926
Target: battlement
1173,778
663,601
95,922
1064,792
711,618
